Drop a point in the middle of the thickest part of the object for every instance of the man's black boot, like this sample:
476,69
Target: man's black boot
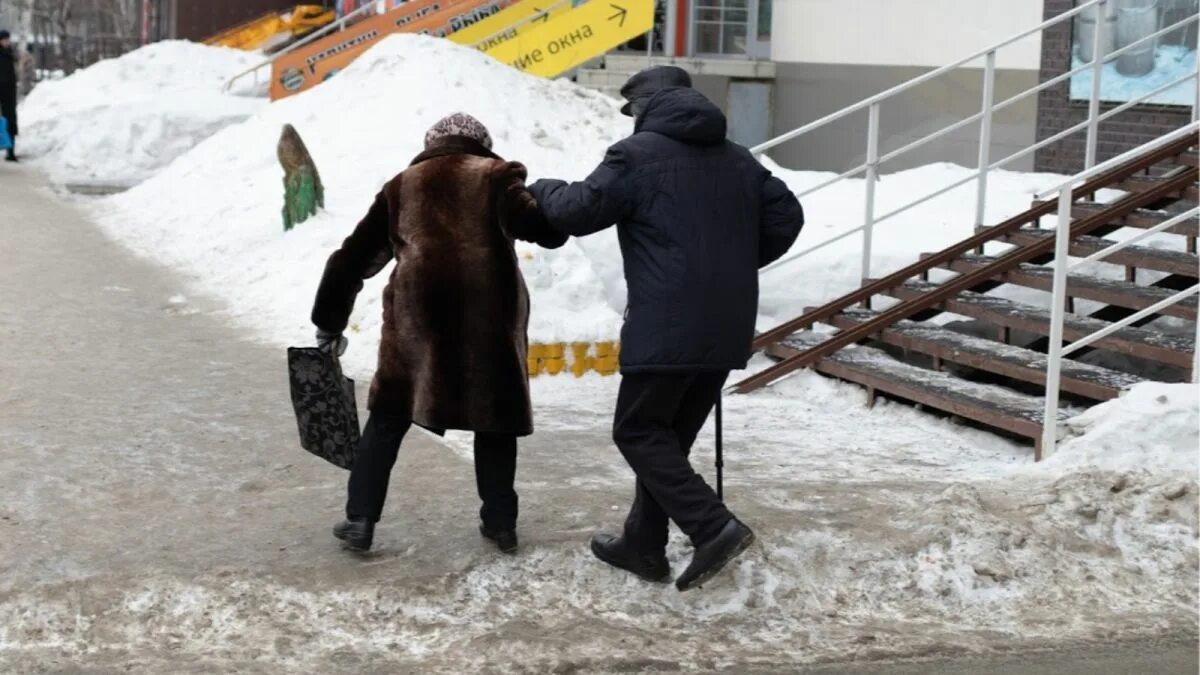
616,552
10,156
356,533
714,555
505,540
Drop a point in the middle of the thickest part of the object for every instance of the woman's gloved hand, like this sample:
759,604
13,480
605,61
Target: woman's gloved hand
335,342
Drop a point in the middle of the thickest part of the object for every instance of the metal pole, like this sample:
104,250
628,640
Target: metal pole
872,178
650,38
1057,310
1097,68
1196,101
1196,356
719,450
145,22
671,28
985,135
691,28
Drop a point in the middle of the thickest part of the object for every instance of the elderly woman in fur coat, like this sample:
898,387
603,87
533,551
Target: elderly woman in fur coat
455,313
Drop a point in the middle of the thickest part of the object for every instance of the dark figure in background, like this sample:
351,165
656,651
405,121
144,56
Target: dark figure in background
697,216
8,90
455,313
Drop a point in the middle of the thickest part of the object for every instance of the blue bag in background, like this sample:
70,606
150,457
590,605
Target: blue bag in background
5,139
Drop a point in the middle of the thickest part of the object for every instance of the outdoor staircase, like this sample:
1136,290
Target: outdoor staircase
888,338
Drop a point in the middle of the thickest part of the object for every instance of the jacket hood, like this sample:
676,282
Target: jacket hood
685,115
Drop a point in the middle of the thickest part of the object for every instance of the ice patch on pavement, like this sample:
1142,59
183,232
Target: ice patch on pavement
971,567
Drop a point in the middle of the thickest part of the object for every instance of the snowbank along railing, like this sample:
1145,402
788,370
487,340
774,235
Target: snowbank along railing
1063,265
369,9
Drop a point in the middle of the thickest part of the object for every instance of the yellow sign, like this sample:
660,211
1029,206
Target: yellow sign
506,24
581,34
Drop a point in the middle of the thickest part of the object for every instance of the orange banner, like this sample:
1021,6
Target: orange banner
307,67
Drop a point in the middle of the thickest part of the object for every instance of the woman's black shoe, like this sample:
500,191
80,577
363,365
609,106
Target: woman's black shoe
615,552
356,534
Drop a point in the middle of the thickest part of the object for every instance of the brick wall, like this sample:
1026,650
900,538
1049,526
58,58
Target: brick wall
1057,112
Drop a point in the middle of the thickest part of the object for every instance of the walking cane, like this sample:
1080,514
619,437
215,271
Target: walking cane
720,457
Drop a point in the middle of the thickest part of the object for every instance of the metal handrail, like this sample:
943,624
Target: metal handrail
1129,320
334,27
1037,89
1091,122
1062,266
916,81
1144,234
984,118
1166,139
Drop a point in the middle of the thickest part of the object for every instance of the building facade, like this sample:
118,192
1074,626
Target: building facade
815,57
1065,105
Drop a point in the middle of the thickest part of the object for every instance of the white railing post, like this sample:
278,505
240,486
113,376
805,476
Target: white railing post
1196,100
1098,56
985,136
1196,356
1058,308
872,178
691,29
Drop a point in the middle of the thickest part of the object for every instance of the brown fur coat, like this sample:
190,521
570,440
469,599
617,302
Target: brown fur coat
456,310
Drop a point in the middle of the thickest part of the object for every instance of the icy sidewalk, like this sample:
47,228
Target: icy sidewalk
156,513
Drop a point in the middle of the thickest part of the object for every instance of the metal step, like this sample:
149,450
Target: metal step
1081,286
1137,257
960,294
1010,361
1143,183
1143,219
1147,344
991,405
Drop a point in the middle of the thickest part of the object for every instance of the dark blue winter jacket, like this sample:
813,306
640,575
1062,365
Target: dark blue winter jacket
696,217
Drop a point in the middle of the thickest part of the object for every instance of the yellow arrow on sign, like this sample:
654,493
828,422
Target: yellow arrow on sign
506,24
577,36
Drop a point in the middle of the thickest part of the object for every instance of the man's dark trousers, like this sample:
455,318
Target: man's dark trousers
8,108
657,420
495,472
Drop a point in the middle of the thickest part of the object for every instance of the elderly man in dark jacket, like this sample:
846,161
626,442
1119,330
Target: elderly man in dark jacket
8,89
697,216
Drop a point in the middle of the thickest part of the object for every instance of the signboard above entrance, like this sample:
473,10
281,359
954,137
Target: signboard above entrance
317,62
581,34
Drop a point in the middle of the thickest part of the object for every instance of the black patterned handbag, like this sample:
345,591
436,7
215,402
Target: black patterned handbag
324,402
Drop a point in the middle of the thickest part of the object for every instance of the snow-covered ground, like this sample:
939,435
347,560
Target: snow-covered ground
121,120
893,517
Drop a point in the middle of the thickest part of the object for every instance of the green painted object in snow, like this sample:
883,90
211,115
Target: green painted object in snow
303,193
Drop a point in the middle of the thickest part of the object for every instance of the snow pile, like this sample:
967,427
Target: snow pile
1153,426
122,120
215,213
235,248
